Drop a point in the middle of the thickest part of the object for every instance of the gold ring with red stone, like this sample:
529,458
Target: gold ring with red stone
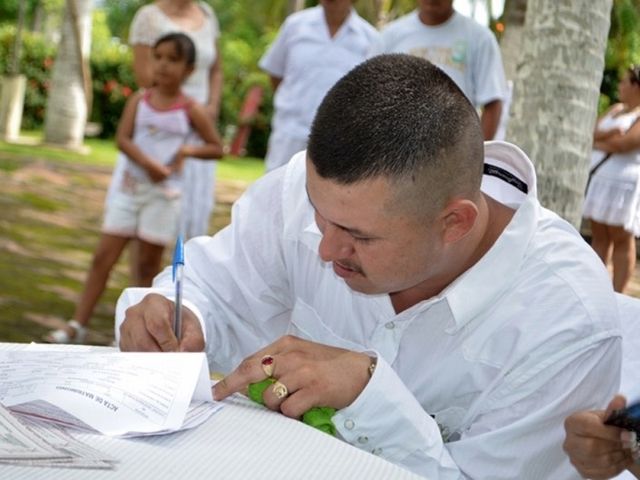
267,365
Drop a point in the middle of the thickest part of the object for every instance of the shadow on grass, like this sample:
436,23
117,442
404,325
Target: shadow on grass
50,217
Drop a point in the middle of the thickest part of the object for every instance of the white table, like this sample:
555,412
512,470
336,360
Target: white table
242,441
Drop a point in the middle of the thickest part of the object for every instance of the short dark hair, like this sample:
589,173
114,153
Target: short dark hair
183,44
402,117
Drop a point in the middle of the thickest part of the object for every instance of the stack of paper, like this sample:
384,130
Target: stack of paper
114,393
28,442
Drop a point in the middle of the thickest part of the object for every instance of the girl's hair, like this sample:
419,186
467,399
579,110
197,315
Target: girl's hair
185,48
634,74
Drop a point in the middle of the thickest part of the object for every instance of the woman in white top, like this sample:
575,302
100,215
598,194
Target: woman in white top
612,202
199,22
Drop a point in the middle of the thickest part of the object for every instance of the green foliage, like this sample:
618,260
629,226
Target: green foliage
36,61
623,48
111,74
113,83
9,9
119,16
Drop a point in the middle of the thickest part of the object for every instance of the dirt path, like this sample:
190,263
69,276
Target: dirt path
50,215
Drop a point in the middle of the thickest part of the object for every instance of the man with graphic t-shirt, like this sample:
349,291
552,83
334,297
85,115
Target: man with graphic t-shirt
464,49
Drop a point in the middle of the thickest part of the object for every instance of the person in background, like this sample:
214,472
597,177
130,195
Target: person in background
382,274
199,22
153,137
314,48
464,49
612,201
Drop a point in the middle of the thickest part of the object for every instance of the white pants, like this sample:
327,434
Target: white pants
281,148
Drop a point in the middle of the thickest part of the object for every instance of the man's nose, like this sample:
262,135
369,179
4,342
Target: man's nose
336,244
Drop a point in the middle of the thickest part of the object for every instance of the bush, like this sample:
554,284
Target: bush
112,78
113,82
36,61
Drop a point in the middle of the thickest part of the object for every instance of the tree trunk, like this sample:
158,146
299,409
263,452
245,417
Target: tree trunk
67,110
511,42
556,94
295,6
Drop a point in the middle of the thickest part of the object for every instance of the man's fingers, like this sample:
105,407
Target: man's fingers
591,425
191,337
249,371
162,331
618,402
136,340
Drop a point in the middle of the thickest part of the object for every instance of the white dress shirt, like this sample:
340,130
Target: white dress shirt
309,61
473,383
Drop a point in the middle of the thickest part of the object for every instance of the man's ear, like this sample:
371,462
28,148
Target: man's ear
458,218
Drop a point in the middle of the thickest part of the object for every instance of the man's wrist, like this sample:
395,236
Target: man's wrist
372,365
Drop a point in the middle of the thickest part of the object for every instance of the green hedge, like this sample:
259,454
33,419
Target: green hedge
36,62
113,82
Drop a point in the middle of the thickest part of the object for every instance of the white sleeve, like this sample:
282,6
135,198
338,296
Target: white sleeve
387,420
143,30
274,61
215,25
235,281
488,72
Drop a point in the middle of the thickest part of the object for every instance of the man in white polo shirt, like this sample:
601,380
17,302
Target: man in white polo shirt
314,48
464,49
453,326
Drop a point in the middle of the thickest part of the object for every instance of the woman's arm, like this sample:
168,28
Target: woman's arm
215,85
621,142
142,65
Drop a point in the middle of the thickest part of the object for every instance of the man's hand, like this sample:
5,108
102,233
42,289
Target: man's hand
597,450
315,375
148,327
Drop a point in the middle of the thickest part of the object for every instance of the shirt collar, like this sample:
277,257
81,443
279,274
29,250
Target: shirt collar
479,287
349,23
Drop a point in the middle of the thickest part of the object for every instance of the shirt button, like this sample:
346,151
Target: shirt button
363,439
390,325
377,451
349,424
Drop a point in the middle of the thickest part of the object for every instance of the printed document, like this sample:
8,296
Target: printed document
114,393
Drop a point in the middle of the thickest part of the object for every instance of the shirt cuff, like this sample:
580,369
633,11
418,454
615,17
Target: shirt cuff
387,420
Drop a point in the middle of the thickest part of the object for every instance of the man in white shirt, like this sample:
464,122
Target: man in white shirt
487,318
314,48
465,50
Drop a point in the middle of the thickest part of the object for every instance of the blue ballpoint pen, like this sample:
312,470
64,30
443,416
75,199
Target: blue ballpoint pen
178,266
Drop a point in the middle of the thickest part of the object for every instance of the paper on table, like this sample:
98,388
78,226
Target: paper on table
18,442
76,453
113,393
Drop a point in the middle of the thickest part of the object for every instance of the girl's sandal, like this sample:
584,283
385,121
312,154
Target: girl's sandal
62,336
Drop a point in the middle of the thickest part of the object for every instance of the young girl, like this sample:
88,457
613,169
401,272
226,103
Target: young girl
146,205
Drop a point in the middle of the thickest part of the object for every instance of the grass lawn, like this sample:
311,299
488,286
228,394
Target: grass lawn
104,152
51,207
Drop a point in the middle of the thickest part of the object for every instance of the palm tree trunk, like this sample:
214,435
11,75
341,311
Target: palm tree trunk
511,43
556,95
67,110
